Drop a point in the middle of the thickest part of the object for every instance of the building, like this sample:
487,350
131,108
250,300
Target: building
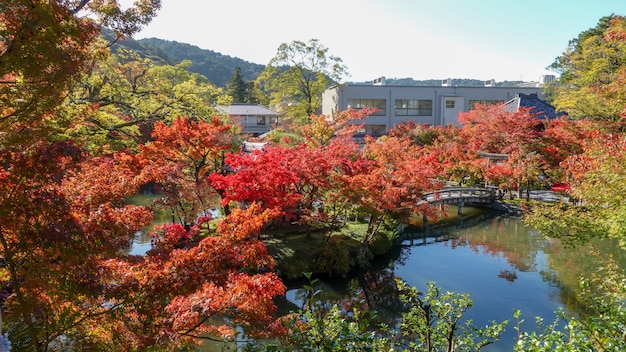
431,105
538,106
253,119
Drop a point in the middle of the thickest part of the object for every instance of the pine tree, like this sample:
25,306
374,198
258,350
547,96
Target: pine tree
237,87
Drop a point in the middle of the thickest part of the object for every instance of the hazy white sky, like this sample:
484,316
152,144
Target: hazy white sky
420,39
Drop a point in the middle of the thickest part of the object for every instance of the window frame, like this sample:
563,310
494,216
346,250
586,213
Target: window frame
360,103
413,107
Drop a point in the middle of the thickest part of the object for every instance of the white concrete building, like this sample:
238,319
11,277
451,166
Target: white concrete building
432,105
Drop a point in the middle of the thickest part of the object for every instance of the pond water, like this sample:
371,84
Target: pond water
503,264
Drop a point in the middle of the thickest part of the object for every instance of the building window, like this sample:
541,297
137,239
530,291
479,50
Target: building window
413,107
358,104
449,104
260,120
373,130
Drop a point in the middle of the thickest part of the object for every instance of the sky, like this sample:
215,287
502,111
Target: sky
419,39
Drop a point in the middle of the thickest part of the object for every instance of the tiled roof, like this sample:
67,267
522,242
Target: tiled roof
532,101
246,109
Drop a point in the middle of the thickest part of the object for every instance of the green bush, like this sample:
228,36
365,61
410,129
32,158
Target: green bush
382,243
333,258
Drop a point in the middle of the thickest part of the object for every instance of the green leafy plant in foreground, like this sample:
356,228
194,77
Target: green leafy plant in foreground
603,328
432,322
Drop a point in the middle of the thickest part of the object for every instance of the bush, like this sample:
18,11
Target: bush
382,243
333,258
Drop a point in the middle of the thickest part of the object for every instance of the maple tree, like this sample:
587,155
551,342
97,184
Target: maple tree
493,130
302,180
62,214
389,179
180,158
196,284
321,129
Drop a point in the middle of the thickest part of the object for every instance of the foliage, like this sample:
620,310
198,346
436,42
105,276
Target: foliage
301,181
321,130
434,322
62,212
602,329
122,97
237,87
181,157
243,91
389,181
31,30
316,328
62,215
297,75
196,284
597,181
593,71
430,323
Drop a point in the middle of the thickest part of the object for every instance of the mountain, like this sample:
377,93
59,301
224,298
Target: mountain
461,82
218,68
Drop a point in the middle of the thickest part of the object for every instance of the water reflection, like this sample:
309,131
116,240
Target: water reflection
502,263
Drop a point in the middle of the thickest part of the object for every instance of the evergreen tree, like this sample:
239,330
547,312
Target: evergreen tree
237,87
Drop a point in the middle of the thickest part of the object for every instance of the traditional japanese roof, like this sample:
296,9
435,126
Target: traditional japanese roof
246,109
532,101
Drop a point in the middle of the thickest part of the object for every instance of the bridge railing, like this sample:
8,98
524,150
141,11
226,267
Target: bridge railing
459,192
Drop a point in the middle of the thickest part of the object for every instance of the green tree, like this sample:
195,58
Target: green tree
296,77
592,68
432,322
121,98
237,87
31,88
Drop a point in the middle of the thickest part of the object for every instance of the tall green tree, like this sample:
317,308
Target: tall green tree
237,87
596,176
592,73
296,77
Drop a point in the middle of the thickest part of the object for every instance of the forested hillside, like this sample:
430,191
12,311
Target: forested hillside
219,68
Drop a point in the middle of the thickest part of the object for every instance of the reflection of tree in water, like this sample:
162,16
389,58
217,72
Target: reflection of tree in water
568,265
524,249
508,275
372,290
379,292
504,236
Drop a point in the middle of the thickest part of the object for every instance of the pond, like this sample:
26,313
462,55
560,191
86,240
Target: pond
502,263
